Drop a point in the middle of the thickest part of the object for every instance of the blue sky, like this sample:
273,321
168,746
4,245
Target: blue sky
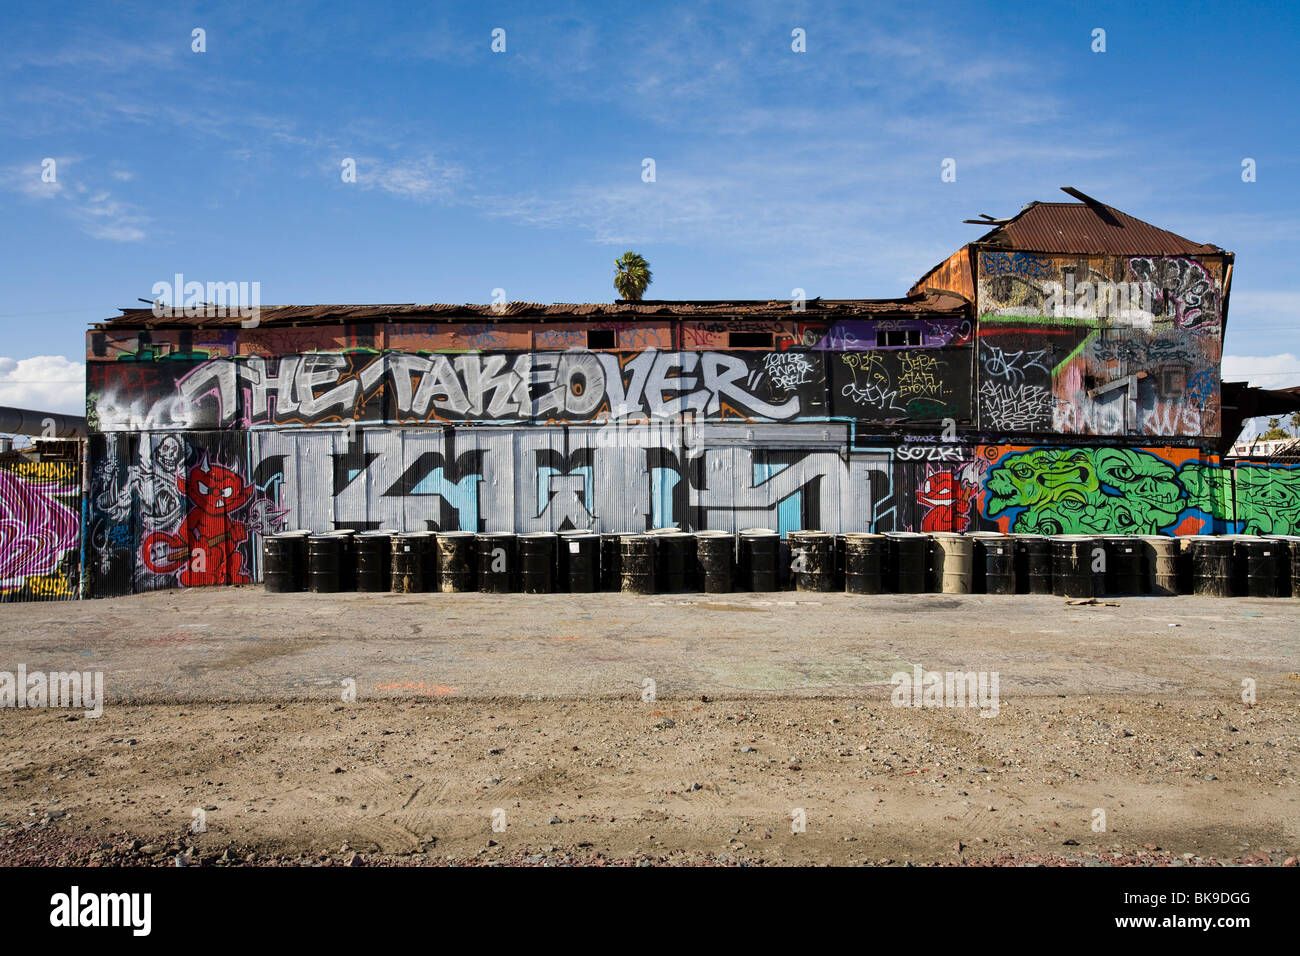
522,170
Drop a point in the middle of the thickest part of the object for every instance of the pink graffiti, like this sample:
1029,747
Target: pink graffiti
35,529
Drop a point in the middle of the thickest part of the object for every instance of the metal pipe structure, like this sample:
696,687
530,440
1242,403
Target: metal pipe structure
27,421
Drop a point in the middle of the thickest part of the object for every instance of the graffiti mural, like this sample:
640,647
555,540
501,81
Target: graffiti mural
1252,498
1182,289
1099,345
950,496
855,335
171,509
204,548
606,478
526,388
159,501
915,385
203,442
40,530
1085,491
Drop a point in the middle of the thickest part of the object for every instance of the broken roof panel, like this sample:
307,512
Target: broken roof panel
814,310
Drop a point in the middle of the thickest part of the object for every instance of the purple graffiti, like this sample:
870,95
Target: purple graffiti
35,529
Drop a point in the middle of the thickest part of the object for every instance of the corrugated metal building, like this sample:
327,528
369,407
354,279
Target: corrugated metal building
1059,374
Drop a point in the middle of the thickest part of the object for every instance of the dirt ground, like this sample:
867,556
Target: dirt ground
1121,739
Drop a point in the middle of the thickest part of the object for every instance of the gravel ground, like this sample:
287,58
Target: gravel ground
673,782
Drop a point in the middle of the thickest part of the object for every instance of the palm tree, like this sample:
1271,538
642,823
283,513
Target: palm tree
632,276
1275,430
1295,424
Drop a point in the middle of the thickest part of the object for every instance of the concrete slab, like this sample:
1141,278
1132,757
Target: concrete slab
240,644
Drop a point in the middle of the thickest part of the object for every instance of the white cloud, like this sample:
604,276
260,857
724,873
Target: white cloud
46,383
28,179
100,215
422,179
1263,371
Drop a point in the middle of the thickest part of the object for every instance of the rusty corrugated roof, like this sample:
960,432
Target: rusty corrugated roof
281,315
1089,228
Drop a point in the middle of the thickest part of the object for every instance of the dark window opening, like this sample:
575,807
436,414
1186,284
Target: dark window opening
602,339
749,340
897,338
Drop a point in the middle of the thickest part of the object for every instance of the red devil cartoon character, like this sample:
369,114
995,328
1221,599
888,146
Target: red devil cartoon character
206,545
949,499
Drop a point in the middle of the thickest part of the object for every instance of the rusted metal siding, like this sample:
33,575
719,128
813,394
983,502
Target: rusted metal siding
953,275
1088,229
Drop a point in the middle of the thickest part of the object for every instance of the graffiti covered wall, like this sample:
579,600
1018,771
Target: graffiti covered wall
40,529
170,509
1100,345
530,388
203,442
1094,490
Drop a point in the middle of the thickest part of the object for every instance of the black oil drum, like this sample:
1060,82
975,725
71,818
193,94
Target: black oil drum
675,562
372,550
409,564
1123,565
1186,579
1160,563
537,562
1099,562
1033,564
909,557
716,553
760,550
995,553
431,582
862,559
298,542
581,561
1293,541
456,560
978,568
610,566
1211,566
323,563
812,560
1072,565
347,559
1257,560
637,563
1288,564
498,558
839,562
281,572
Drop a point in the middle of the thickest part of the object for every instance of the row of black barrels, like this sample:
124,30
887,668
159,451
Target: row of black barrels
672,561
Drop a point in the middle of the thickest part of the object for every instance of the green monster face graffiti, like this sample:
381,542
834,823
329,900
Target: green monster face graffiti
1044,478
1151,495
1086,491
1267,499
1057,487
